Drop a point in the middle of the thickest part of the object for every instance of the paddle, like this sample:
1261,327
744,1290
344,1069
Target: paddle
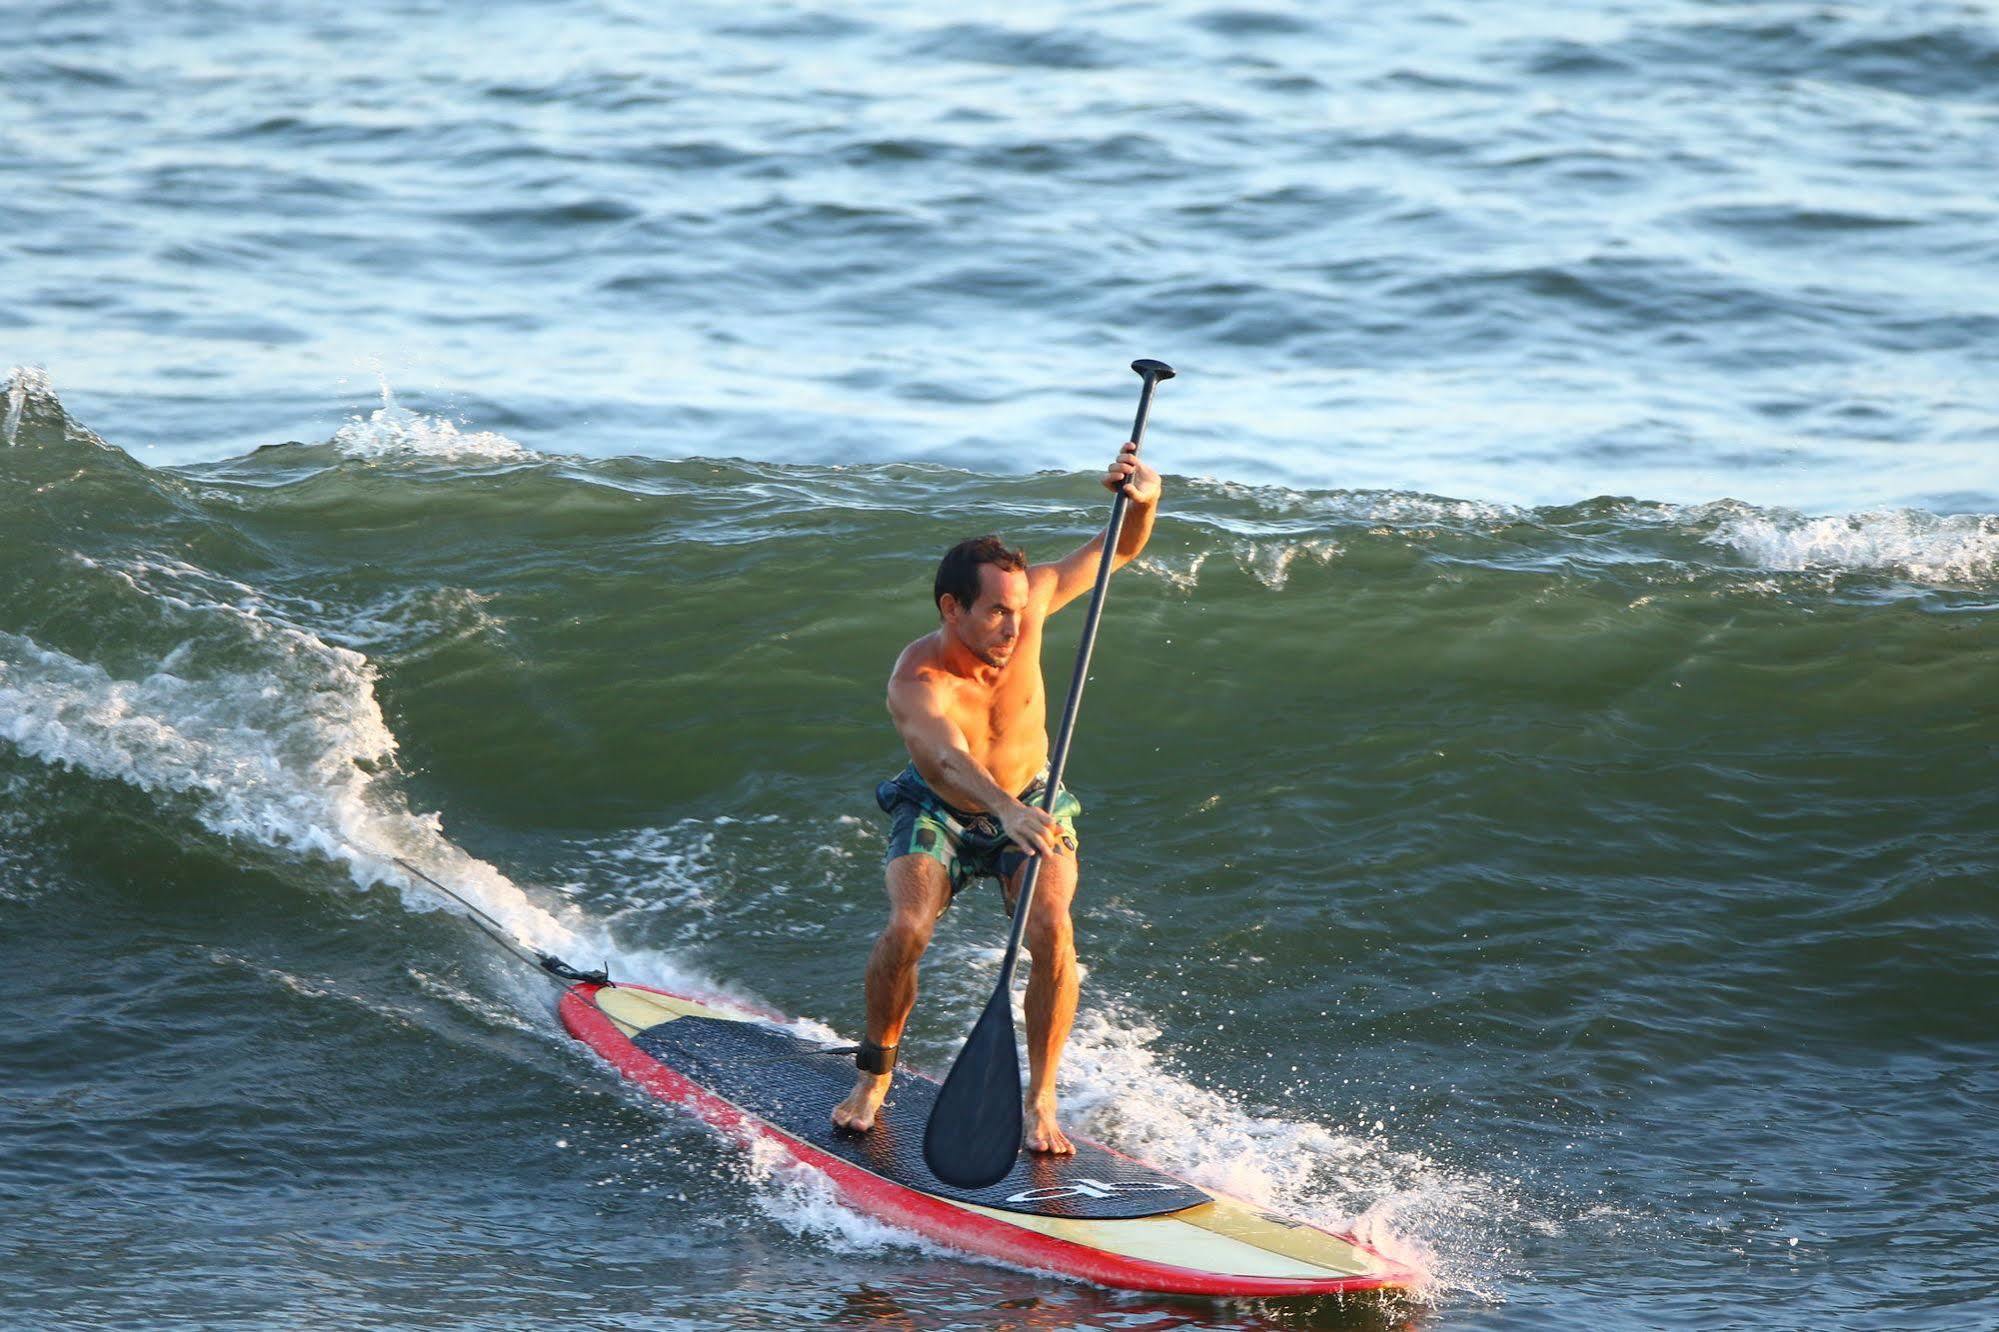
974,1131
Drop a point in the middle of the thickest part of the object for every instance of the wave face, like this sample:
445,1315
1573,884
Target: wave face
1571,897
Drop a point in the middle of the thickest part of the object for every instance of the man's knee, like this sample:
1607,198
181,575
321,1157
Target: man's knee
1049,929
907,934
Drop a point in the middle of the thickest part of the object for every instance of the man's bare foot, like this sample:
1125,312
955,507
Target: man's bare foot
857,1112
1044,1134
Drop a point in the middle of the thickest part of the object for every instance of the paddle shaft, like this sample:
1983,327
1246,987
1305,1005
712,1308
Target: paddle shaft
1058,758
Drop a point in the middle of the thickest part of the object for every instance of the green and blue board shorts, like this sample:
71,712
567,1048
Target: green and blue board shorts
966,844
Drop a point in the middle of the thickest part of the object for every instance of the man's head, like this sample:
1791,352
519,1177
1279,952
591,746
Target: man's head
981,595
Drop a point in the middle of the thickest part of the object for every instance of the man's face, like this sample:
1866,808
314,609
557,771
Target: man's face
990,627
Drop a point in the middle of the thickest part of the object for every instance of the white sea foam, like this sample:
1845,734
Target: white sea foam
1447,1223
23,382
803,1201
1269,562
1183,575
283,747
1289,525
1925,547
392,430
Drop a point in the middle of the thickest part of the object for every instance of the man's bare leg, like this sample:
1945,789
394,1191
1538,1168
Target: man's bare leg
918,892
1051,995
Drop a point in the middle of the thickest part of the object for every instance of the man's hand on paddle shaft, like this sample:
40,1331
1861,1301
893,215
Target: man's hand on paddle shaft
1034,830
1140,483
1062,581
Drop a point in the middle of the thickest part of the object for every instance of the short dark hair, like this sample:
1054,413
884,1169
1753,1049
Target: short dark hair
958,571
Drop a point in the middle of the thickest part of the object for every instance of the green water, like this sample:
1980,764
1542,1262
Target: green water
1591,901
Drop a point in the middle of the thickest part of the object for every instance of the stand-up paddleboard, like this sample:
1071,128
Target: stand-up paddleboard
1096,1215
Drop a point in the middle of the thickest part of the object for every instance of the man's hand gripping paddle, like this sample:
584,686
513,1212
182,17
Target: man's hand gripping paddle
973,1136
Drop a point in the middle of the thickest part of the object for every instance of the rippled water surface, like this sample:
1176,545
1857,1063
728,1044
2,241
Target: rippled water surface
1538,778
1534,253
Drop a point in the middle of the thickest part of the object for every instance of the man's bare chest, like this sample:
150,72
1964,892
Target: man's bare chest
988,714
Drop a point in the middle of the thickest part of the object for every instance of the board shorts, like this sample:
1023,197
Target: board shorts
967,845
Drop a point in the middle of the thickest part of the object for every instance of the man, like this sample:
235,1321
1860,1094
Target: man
969,703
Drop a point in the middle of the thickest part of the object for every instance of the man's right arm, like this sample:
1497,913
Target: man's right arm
942,756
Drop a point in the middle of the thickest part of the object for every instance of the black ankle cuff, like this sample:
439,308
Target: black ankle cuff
872,1058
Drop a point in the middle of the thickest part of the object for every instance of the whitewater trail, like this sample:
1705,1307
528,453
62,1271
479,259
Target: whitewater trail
292,754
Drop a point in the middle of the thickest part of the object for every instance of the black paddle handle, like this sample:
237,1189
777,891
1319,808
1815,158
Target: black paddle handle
1152,372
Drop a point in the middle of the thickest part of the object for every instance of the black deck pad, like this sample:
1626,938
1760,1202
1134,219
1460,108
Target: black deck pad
788,1083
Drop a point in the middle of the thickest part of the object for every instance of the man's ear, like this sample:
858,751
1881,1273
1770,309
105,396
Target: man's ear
946,604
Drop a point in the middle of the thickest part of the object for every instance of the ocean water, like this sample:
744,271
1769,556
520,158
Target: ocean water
1539,778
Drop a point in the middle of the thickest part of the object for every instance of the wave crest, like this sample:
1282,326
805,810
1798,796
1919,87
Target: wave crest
1924,547
394,431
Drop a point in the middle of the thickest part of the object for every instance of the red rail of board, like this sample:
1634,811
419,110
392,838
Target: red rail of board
945,1222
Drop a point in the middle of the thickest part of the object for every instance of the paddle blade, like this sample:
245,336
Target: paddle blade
973,1136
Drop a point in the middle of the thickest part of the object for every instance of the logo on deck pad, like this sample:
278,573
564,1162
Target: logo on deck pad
1088,1188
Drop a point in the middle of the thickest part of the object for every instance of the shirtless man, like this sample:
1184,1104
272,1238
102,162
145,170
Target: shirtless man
969,703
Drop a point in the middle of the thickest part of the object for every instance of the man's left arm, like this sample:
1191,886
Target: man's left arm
1075,573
